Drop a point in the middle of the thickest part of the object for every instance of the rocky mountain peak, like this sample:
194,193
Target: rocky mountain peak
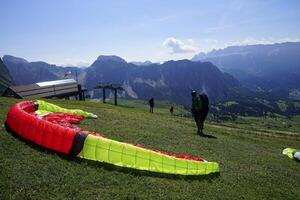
13,59
105,58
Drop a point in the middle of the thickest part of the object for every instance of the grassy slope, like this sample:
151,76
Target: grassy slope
279,123
252,166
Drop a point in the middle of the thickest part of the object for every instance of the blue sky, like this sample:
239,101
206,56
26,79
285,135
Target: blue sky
78,31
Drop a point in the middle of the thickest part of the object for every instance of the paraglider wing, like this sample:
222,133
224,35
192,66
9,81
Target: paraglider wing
54,128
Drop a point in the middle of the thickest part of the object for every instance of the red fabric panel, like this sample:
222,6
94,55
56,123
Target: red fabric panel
55,131
182,156
22,120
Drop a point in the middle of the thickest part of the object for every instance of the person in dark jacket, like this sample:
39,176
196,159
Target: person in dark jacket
151,103
199,110
172,110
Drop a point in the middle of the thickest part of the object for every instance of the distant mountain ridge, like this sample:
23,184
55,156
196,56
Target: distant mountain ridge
268,67
172,80
147,62
24,72
5,78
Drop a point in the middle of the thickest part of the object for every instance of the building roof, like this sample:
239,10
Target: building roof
57,88
56,82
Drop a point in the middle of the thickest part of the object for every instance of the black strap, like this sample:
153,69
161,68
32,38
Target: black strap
78,143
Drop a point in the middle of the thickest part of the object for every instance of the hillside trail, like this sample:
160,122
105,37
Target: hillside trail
270,133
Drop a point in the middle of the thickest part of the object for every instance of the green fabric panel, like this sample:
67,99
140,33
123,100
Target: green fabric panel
42,112
126,155
49,107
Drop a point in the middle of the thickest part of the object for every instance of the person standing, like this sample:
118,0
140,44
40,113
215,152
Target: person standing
199,110
196,111
151,103
172,110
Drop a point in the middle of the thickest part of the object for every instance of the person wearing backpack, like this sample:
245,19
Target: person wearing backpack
199,110
151,104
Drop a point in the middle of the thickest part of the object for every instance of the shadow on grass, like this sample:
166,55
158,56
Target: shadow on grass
296,160
111,167
208,136
136,172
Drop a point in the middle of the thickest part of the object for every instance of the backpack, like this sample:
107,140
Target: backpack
205,101
197,103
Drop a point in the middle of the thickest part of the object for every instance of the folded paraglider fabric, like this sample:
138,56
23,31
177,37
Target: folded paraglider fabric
292,153
54,128
45,107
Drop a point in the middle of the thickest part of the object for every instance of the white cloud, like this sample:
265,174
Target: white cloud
178,46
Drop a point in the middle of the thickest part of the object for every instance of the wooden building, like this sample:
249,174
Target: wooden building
49,89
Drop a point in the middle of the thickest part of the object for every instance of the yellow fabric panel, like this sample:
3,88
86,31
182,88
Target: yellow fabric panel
126,155
44,107
289,152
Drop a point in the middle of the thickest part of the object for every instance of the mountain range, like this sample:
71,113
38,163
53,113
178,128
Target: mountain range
24,72
5,78
272,67
172,80
251,79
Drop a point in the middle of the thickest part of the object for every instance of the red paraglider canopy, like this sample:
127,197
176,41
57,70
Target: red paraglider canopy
56,131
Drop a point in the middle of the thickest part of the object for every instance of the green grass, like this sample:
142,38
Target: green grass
282,105
252,166
161,107
270,124
230,103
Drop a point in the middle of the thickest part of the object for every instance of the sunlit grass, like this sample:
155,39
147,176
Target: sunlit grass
252,166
